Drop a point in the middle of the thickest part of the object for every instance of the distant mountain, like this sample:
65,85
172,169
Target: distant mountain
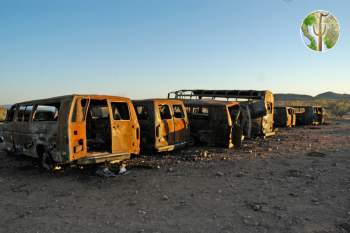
333,96
327,95
292,97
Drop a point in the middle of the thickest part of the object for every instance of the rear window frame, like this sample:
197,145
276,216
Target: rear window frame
113,114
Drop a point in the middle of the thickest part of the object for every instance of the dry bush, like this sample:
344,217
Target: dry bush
340,108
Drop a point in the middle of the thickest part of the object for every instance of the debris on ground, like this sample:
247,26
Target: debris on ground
122,169
165,198
316,154
104,172
345,226
219,173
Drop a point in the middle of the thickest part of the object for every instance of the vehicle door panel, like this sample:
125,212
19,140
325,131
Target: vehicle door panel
166,129
77,128
122,129
180,124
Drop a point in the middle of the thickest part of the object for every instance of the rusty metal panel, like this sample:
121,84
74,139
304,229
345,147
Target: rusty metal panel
161,130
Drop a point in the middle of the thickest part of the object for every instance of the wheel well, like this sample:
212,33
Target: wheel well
40,149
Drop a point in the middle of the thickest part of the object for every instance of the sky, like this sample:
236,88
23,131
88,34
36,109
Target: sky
146,48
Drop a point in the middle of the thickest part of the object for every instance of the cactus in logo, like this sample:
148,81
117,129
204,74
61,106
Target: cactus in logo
320,30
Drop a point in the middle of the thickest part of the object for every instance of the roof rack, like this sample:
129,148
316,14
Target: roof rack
227,94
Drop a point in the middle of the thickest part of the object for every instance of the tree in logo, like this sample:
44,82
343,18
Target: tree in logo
320,31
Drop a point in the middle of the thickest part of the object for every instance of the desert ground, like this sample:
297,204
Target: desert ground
297,181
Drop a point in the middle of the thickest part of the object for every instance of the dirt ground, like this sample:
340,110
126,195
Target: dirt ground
297,181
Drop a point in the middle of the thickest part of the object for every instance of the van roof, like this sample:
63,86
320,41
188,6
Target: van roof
209,102
59,98
160,100
227,94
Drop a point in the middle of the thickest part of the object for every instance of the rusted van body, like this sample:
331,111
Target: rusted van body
3,111
284,117
259,104
164,124
309,115
215,123
75,128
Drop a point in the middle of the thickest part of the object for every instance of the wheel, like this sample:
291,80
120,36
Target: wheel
237,134
192,141
46,161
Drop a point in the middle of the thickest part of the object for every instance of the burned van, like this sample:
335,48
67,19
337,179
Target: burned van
3,111
163,123
78,129
284,117
309,115
259,104
215,123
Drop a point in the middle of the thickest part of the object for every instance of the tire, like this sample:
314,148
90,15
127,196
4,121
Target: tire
237,134
46,161
192,141
246,122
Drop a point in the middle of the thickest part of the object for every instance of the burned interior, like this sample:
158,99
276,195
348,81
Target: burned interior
214,122
284,117
309,115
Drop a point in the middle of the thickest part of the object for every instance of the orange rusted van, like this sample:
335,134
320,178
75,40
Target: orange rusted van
163,122
76,128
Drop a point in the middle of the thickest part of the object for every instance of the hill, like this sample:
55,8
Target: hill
323,96
292,97
333,96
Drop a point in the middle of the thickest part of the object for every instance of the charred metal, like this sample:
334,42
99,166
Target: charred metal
284,117
259,106
214,122
309,115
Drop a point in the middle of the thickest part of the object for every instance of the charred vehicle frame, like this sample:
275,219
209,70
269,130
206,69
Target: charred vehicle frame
214,122
284,117
78,129
309,115
258,105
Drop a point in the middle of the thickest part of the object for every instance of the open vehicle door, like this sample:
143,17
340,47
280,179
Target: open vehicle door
77,128
121,126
